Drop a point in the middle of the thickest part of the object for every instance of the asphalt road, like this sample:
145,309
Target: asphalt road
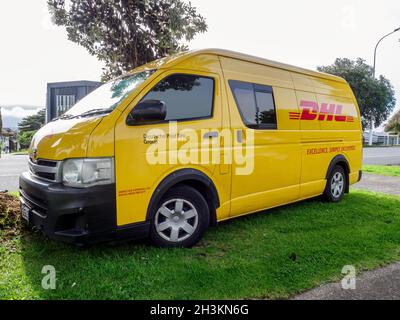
382,156
380,284
378,183
11,166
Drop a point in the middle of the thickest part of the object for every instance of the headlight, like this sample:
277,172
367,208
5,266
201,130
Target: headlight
83,173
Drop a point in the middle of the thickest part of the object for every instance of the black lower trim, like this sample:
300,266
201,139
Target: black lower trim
133,231
72,215
360,174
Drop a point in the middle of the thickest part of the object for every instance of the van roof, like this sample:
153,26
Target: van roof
178,58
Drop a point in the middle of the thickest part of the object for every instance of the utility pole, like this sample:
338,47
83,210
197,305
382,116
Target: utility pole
374,72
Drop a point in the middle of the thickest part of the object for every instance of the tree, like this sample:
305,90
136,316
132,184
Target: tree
24,138
32,123
394,123
128,33
375,97
28,127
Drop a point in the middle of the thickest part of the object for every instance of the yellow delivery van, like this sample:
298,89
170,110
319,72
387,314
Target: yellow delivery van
179,144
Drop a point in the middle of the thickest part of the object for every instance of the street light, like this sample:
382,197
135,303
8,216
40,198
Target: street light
374,71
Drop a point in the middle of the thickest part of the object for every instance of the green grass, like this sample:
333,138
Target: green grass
14,193
21,153
383,170
274,254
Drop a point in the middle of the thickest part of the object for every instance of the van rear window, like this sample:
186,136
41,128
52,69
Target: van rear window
256,104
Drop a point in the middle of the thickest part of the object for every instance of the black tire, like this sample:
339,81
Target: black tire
164,231
336,185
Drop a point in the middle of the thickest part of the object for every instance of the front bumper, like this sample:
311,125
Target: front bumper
71,215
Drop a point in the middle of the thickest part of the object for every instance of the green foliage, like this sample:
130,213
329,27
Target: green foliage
394,123
375,97
24,138
32,123
28,127
128,33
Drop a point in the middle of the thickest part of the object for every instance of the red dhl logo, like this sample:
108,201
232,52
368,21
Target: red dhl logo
327,112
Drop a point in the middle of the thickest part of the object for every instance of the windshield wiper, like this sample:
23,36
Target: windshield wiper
64,117
95,112
92,112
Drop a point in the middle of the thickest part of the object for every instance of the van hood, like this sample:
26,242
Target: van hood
63,138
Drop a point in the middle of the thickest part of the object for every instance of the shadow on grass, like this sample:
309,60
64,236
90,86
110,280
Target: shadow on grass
273,255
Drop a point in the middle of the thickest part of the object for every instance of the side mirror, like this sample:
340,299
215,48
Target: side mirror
147,112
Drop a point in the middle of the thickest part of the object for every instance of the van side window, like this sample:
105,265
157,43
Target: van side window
186,96
255,103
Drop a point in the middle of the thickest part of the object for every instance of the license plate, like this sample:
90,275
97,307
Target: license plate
25,212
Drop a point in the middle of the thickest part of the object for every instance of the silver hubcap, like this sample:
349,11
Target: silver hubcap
337,185
176,220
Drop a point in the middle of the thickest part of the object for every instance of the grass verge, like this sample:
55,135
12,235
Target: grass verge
274,254
393,171
22,152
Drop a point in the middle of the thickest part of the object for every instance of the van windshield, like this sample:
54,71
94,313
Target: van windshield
107,97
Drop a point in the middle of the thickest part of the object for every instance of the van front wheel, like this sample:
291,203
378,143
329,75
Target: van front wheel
336,185
180,219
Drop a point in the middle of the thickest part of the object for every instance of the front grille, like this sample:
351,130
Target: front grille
47,163
46,169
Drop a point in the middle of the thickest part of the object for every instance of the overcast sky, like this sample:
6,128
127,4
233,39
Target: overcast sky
306,33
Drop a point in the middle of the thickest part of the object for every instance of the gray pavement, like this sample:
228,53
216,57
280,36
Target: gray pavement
380,284
382,156
377,183
11,166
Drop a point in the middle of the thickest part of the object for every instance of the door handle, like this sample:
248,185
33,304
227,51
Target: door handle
211,135
239,136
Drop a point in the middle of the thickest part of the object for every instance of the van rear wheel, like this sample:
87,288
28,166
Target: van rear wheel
336,185
180,219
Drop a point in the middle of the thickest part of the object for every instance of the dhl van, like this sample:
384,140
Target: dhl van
182,143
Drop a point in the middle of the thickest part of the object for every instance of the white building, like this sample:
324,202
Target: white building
382,138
